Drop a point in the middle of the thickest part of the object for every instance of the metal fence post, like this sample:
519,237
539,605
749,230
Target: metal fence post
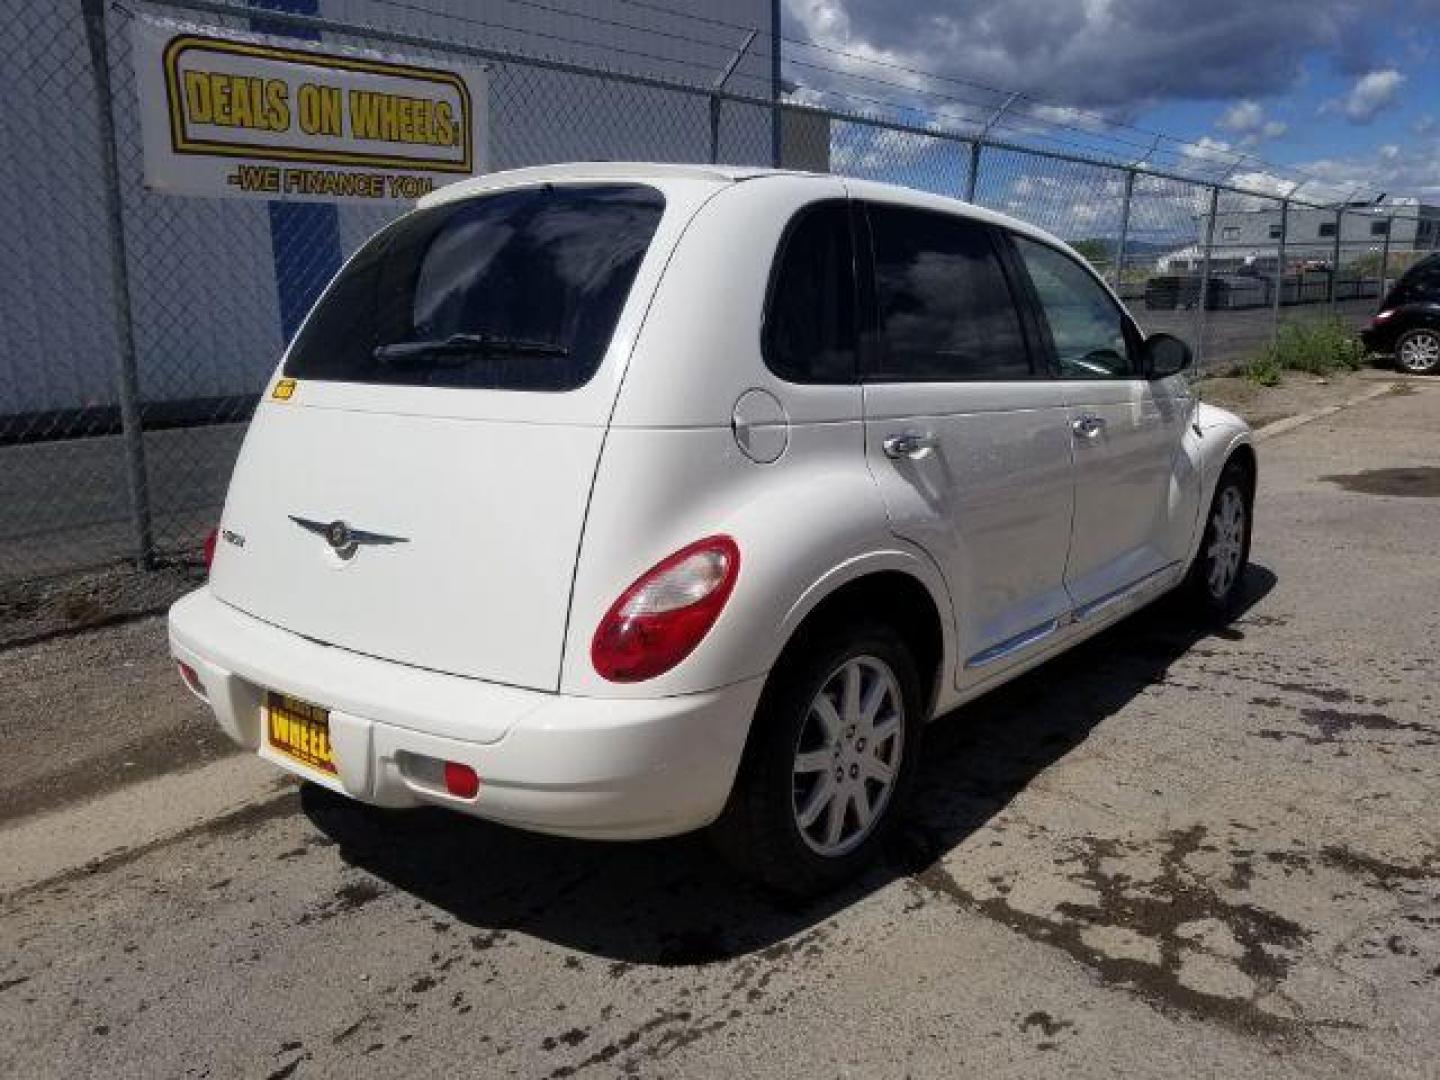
1385,260
1335,258
127,380
976,146
1124,228
717,89
777,119
714,128
1205,280
1280,273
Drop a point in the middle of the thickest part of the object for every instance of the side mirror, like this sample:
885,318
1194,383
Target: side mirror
1166,355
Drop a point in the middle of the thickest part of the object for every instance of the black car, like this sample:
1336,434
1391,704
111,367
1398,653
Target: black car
1408,322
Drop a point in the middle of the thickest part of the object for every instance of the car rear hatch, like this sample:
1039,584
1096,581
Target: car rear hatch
418,494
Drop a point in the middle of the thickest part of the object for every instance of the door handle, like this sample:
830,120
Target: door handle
909,444
1087,427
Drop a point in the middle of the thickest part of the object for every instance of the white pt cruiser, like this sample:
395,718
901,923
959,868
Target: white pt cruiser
617,501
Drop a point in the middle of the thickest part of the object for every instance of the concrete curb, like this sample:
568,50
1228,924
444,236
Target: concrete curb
1290,423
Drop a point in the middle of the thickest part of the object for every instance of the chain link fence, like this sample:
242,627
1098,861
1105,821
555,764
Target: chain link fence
143,326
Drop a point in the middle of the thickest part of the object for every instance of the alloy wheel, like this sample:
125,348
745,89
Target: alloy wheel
1227,544
847,757
1419,353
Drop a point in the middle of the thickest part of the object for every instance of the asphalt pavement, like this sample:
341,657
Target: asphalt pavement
1174,852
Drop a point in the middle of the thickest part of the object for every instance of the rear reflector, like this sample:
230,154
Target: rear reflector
461,780
211,538
191,678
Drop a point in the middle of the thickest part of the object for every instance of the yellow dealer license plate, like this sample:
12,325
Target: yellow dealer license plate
299,730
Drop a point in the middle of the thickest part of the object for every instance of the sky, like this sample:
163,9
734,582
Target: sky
1346,92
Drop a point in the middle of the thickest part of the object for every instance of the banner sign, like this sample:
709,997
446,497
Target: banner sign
224,113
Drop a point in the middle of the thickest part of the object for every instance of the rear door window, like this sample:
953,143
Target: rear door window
519,290
945,308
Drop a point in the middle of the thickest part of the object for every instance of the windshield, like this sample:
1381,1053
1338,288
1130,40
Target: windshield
519,290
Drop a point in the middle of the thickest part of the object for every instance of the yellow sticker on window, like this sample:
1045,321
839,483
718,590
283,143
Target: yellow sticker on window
284,390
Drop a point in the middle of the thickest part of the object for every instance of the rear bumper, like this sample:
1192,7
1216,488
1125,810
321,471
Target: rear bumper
594,767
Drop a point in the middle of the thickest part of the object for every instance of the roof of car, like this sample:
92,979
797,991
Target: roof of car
591,170
658,172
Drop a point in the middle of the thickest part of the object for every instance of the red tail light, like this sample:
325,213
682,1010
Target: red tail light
211,538
659,620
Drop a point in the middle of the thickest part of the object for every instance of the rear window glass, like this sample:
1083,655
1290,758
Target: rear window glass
519,290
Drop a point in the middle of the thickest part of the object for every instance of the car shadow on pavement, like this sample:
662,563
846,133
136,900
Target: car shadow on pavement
673,902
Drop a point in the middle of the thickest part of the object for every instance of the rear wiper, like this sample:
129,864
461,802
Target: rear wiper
466,345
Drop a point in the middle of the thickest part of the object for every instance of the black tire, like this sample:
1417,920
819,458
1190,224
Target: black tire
759,832
1427,360
1216,595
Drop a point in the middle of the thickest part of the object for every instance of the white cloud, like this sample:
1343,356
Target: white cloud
1068,116
1248,121
1371,93
1243,116
1413,171
1207,149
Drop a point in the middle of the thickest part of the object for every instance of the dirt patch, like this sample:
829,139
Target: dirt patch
1418,482
36,611
1297,393
1160,910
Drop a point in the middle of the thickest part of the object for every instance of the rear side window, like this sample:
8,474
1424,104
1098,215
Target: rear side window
519,290
809,331
945,309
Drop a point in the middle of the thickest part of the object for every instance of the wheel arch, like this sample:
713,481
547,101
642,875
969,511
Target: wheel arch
899,589
1243,454
1221,438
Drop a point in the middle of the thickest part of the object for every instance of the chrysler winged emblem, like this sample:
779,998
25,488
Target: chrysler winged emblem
343,539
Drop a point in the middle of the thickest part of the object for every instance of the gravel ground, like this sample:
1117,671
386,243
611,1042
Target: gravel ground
96,711
35,611
1297,393
1169,853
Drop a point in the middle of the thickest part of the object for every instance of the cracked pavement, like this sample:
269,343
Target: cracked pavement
1173,852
